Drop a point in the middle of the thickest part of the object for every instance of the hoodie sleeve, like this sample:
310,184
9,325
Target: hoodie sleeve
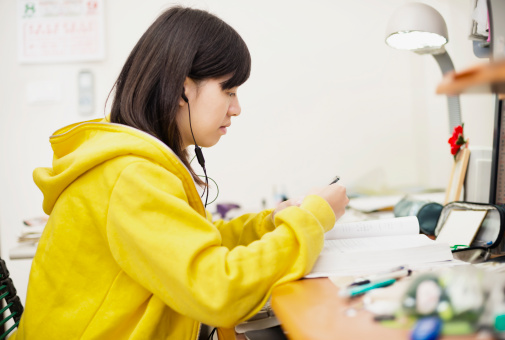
177,254
244,229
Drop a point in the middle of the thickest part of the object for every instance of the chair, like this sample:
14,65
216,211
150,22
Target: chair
262,326
272,333
10,302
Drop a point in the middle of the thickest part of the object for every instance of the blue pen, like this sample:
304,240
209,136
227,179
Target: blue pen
362,289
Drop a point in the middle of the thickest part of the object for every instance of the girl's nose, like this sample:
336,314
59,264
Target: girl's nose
234,109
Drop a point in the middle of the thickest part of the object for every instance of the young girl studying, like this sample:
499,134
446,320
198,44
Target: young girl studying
129,250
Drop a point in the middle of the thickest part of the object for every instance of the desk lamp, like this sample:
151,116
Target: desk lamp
420,28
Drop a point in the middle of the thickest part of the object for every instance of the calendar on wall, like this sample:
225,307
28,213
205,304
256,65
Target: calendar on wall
60,31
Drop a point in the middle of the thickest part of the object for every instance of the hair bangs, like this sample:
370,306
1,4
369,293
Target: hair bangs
240,67
222,53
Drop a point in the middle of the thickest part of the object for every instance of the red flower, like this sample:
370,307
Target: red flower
454,149
457,140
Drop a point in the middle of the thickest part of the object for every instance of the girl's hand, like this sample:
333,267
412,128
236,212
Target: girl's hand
335,195
285,204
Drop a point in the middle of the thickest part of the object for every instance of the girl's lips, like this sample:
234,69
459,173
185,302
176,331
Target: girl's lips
223,130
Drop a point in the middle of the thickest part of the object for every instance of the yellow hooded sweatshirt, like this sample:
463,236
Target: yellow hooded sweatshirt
129,251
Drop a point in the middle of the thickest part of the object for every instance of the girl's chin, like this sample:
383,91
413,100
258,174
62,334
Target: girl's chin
210,144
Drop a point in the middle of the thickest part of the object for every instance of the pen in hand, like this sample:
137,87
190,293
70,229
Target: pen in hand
335,180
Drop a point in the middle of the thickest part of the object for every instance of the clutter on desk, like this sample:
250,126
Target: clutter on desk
472,255
454,301
368,204
461,226
428,328
426,211
476,225
495,264
32,229
387,202
224,208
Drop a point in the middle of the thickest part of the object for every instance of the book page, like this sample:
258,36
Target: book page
385,227
352,245
370,254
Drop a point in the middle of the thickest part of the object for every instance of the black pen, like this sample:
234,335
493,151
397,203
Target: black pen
335,180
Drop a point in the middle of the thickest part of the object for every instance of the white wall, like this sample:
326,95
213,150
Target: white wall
326,96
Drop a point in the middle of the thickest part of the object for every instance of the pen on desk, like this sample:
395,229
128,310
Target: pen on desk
458,247
335,180
397,274
364,280
358,290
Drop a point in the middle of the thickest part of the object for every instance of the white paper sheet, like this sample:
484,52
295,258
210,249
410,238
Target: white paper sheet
461,226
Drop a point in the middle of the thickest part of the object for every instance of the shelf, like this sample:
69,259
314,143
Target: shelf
485,78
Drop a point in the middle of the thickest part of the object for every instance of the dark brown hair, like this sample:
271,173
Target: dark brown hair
182,42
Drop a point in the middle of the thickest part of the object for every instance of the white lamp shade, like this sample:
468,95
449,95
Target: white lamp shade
417,27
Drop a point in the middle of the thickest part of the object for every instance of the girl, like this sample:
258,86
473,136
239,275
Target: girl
129,251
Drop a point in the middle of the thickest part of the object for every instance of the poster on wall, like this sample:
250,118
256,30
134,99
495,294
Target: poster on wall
60,31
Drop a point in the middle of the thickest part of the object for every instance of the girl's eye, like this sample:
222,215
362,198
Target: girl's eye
232,94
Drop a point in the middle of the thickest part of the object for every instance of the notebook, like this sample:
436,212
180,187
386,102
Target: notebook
369,246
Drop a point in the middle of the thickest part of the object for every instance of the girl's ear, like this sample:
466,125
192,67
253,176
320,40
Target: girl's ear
184,99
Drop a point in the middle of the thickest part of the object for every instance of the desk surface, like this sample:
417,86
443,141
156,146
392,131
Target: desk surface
311,309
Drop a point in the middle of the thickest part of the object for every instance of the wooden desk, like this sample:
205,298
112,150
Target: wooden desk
311,309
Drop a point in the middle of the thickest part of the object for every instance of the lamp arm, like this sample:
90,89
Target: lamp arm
446,65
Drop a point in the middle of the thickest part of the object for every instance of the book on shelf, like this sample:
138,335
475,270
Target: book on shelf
363,247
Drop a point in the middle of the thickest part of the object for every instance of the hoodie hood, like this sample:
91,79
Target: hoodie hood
82,146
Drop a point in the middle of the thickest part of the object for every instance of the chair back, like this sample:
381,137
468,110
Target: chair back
11,304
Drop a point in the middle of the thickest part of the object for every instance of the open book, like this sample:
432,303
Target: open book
369,246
